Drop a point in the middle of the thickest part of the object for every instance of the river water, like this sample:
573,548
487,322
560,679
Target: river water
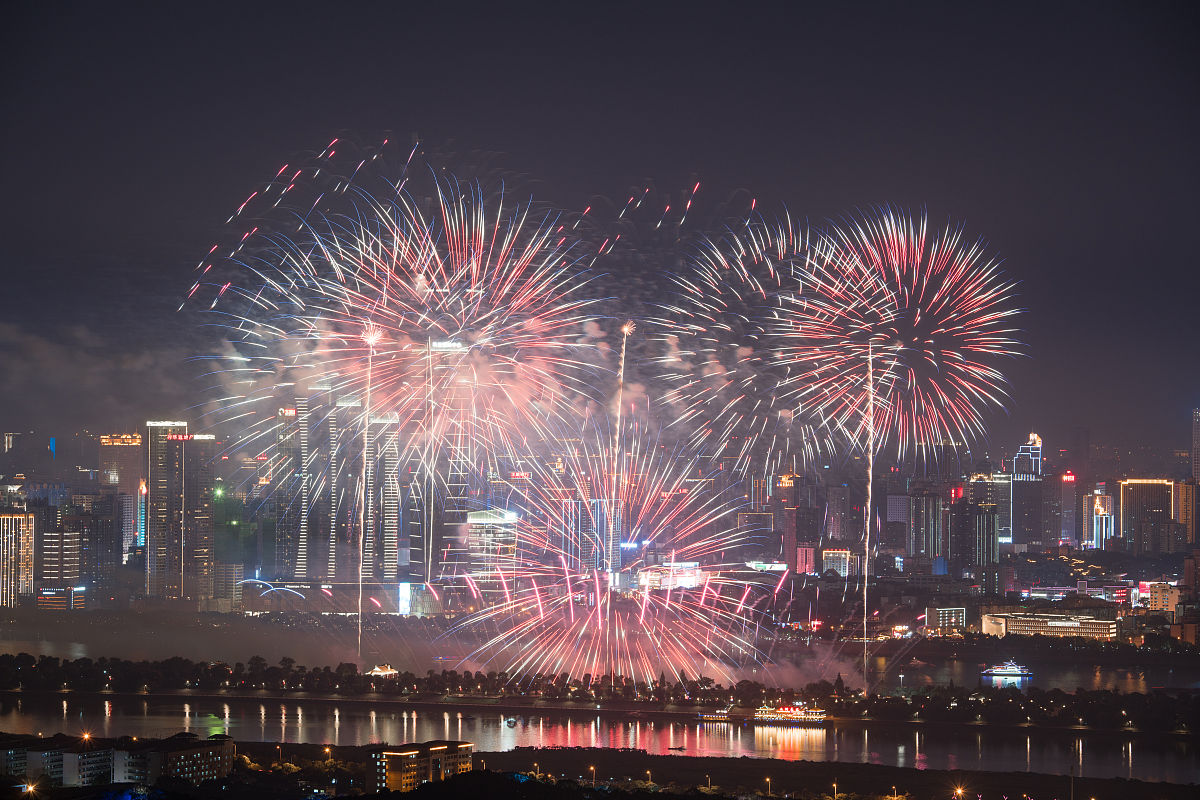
1092,754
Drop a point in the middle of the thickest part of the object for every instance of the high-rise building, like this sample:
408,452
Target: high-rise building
1068,506
492,550
1196,445
179,512
1100,517
838,525
1028,460
995,489
986,550
925,526
592,535
1148,515
122,468
16,556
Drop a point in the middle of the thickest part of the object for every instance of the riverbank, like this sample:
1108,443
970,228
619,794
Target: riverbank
814,779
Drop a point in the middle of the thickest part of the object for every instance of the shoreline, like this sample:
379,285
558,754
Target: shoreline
733,774
631,712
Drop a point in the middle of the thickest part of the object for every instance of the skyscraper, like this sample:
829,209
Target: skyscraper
995,489
1067,509
179,521
122,467
1196,445
16,556
925,533
1148,511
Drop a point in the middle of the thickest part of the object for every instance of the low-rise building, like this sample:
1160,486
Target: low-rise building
1033,624
406,767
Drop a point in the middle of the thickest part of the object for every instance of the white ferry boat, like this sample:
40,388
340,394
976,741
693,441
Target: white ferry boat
1009,669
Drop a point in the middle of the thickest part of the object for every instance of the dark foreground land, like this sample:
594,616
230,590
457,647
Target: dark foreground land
269,771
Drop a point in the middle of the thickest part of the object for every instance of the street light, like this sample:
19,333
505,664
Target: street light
768,787
593,769
957,792
279,748
536,772
649,777
328,757
709,779
835,790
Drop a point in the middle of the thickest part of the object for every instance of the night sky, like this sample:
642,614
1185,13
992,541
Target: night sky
1066,134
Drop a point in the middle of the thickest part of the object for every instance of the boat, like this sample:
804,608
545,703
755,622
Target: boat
720,715
1009,669
798,715
680,747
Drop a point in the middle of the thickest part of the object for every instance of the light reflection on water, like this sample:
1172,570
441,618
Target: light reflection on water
355,723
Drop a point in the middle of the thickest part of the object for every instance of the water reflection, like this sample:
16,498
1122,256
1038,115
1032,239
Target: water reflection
356,723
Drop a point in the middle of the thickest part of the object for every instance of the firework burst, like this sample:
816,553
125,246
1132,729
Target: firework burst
623,563
913,323
437,331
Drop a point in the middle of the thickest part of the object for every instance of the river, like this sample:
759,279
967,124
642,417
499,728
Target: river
1092,754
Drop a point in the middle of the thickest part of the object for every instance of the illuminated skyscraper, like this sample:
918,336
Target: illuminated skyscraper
593,533
1028,460
1099,519
122,467
995,489
16,556
1196,445
925,533
179,521
1146,509
492,550
1067,509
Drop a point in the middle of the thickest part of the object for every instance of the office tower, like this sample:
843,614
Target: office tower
995,489
1196,445
179,522
58,555
341,492
838,525
1028,460
925,531
288,478
1068,507
838,560
17,531
986,551
122,463
1100,519
1027,499
592,535
802,528
492,551
94,526
1146,509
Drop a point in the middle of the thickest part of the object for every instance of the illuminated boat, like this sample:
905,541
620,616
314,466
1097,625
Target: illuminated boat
720,715
1009,669
796,715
